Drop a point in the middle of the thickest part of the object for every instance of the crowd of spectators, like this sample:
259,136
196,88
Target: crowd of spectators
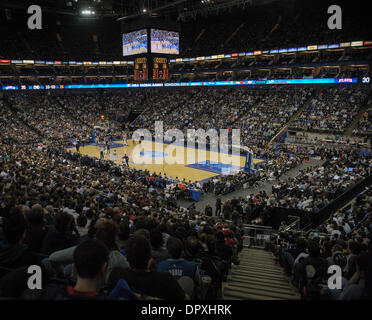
266,117
331,110
344,241
312,189
14,130
364,125
100,230
67,118
54,203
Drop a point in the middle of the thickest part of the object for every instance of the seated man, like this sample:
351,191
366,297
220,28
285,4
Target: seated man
106,232
312,270
90,266
13,253
176,265
148,283
36,229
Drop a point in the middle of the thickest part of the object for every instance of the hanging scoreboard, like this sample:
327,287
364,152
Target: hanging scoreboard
160,69
141,71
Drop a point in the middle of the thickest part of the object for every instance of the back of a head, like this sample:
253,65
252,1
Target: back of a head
140,223
192,245
35,216
63,222
143,233
211,243
175,247
156,238
336,248
81,220
363,263
107,232
124,231
138,250
220,236
14,225
301,244
314,249
339,259
354,247
89,257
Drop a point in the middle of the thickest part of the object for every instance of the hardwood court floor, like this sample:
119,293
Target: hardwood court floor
175,161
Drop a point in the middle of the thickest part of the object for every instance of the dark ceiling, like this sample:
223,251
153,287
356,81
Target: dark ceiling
127,9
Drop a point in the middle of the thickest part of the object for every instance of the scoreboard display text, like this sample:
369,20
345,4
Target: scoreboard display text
140,69
160,70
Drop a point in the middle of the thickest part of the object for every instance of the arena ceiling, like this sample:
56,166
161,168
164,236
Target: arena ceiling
129,9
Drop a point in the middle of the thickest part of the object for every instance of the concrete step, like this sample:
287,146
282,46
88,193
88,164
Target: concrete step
259,292
257,277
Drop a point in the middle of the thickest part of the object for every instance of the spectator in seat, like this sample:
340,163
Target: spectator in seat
82,222
90,266
292,252
176,265
226,210
218,205
354,250
208,211
124,234
313,269
106,233
159,253
193,249
146,283
357,283
223,250
13,252
60,236
36,229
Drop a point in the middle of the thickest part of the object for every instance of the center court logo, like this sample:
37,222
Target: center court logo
169,147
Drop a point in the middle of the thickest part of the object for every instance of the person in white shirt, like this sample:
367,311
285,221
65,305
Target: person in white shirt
347,228
125,139
115,156
335,232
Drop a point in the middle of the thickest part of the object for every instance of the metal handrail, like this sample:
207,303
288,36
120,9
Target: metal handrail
261,234
293,224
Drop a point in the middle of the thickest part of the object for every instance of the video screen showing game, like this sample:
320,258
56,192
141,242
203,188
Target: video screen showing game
135,42
166,42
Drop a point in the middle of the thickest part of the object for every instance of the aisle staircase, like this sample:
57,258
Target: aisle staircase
293,118
257,277
13,109
355,122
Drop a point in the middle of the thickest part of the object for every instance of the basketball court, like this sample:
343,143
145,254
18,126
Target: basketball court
175,161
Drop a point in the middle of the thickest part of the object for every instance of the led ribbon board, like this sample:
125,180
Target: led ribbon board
192,84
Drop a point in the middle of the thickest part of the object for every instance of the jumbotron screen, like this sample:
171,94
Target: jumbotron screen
166,42
135,42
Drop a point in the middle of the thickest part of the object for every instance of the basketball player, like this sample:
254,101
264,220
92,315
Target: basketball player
115,156
125,143
126,160
105,153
